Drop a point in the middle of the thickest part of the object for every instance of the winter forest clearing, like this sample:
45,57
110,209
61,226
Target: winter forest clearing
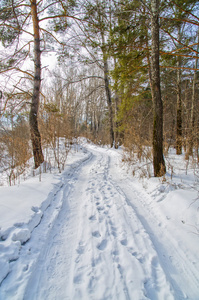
99,149
97,232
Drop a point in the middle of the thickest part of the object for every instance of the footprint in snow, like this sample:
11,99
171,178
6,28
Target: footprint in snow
96,234
80,249
78,279
96,261
35,209
114,232
92,218
102,245
137,256
101,219
100,208
115,252
123,242
25,268
19,225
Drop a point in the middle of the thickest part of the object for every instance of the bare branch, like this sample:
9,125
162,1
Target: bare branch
82,79
184,46
16,28
42,29
176,54
181,20
46,7
180,68
17,69
60,16
187,12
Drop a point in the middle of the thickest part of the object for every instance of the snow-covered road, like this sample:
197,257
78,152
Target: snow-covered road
108,240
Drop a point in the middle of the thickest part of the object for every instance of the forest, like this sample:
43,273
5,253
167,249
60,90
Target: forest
116,72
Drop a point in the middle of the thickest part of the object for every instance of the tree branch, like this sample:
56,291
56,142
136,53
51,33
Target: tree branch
187,12
17,69
16,28
181,20
175,54
60,16
180,68
184,46
42,29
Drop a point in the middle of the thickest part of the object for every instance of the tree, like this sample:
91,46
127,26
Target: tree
179,100
133,38
129,76
178,23
158,159
35,134
92,35
14,141
193,104
16,17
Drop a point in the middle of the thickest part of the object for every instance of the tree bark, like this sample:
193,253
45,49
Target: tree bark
192,117
179,114
108,93
116,122
158,159
33,117
109,102
179,106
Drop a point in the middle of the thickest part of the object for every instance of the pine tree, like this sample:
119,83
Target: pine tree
16,17
158,159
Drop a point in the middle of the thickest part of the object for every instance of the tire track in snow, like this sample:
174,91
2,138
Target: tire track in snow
172,258
121,248
157,277
102,261
99,247
156,284
177,258
53,257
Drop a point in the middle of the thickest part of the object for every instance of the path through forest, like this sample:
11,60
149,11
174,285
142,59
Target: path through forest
108,241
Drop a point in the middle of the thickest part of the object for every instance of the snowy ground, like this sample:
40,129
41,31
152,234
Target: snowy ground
96,232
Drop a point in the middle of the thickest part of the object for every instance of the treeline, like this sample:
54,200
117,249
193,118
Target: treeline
127,73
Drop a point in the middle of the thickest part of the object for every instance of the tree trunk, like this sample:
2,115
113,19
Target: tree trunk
109,102
179,111
192,117
116,131
35,134
158,159
116,123
108,92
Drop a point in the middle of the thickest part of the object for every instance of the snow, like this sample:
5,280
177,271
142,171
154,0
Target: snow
97,232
